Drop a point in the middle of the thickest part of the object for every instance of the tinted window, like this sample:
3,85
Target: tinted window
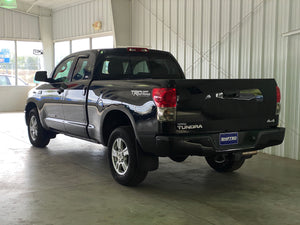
140,67
82,71
114,66
63,69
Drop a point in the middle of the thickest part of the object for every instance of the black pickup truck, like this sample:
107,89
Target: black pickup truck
138,103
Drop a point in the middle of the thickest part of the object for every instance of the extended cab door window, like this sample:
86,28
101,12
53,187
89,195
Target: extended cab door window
82,70
62,71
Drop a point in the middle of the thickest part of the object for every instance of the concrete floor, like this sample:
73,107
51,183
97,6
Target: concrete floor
69,183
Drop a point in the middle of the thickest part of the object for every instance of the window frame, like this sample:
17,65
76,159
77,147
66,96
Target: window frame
88,57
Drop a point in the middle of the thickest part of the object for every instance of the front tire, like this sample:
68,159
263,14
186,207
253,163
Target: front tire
38,136
123,159
224,163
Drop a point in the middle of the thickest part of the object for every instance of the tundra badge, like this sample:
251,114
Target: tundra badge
184,126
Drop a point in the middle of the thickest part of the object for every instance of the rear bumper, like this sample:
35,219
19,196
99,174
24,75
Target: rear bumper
207,144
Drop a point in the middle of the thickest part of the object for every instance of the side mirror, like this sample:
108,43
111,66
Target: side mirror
41,76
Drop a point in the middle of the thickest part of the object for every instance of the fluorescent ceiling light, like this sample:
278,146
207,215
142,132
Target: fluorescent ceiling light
8,4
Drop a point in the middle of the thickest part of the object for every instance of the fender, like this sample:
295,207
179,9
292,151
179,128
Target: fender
97,118
122,109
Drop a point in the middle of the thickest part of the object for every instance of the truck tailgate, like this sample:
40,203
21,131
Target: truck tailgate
225,105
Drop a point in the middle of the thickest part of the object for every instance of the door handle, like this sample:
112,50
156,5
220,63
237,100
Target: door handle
60,90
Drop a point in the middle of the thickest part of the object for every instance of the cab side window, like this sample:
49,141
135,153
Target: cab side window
141,67
62,71
82,70
114,67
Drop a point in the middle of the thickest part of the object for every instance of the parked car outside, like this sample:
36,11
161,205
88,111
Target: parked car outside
9,80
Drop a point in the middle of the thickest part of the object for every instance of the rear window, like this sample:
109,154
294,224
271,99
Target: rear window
139,67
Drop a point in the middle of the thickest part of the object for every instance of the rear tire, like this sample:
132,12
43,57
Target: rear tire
123,159
227,164
38,136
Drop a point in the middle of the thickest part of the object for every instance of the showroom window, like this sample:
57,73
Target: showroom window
80,45
62,49
29,60
7,63
102,42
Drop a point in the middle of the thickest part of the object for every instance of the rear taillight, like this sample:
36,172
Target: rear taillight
278,98
165,99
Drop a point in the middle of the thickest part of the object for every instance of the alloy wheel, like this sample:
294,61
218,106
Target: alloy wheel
120,156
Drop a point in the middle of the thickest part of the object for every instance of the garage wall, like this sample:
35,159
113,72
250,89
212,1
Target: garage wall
76,21
17,25
230,39
13,98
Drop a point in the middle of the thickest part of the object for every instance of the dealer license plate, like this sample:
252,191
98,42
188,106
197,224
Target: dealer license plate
229,138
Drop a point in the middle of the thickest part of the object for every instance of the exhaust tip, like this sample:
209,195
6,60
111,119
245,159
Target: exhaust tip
220,158
250,153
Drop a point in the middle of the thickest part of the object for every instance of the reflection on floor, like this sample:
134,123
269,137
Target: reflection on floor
69,183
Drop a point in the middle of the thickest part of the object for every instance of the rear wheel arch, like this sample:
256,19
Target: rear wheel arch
114,119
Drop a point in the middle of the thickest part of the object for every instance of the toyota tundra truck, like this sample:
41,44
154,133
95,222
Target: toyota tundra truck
138,103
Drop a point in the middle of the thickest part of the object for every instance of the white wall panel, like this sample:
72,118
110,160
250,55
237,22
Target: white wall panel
257,40
215,36
17,25
232,39
225,39
269,39
189,40
173,21
197,64
77,20
246,38
13,98
147,19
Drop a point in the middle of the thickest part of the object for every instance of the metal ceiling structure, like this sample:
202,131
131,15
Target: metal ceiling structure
53,4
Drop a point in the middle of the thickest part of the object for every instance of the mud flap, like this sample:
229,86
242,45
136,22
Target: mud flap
146,161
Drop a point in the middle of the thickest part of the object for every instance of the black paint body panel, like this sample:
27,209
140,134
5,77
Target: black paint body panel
212,106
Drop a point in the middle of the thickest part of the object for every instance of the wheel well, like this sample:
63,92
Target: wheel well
113,120
28,108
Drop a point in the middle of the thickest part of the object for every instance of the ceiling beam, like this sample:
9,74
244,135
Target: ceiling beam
33,4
